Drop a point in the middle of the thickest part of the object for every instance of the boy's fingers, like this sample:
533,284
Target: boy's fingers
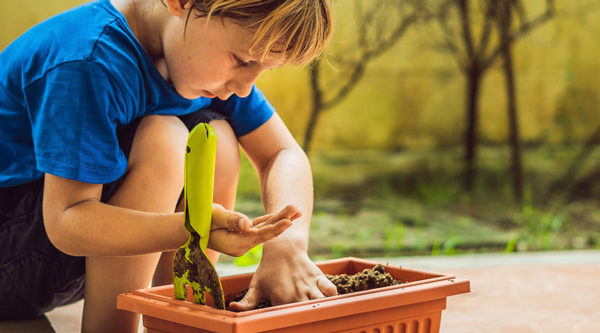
289,212
267,232
232,243
230,220
261,219
238,222
249,302
294,213
268,219
326,286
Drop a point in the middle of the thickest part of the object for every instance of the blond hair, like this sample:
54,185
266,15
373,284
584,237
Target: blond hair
299,29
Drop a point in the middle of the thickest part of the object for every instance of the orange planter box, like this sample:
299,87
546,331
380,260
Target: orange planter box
415,306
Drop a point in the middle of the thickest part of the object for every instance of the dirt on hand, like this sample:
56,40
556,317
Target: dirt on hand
369,278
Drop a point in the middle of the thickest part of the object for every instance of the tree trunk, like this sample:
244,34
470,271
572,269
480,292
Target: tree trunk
316,106
565,182
473,78
513,121
584,188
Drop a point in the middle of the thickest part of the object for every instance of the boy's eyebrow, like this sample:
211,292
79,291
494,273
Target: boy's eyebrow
254,59
261,50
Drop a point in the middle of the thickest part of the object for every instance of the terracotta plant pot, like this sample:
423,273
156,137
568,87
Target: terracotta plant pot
414,306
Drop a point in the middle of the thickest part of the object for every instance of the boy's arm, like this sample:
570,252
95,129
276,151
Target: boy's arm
285,178
79,224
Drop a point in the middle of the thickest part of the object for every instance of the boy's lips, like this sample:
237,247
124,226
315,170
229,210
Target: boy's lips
208,94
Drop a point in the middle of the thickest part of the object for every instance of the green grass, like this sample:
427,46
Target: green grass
407,203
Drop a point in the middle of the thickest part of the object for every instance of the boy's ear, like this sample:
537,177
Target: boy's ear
178,7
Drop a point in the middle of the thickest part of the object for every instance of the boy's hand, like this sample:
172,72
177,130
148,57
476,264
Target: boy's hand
282,278
234,234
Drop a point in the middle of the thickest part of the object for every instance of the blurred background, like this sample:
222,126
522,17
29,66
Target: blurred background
438,127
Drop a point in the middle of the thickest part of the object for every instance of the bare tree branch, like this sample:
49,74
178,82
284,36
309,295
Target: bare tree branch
362,24
373,40
520,7
449,44
487,29
525,28
467,34
368,52
577,163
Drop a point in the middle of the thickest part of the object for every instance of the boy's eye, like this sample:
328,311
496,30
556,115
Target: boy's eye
239,61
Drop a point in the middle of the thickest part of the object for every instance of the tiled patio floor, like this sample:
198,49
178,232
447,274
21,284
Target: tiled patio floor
530,292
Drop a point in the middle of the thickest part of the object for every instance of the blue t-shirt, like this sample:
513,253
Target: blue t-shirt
67,84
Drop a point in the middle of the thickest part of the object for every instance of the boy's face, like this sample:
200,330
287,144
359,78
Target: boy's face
213,59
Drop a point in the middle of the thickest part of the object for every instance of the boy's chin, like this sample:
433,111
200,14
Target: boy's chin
189,96
189,93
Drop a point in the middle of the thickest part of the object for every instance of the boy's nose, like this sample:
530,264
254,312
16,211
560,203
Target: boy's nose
242,85
242,90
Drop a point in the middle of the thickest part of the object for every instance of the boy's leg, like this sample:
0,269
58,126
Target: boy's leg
227,164
227,170
35,277
153,182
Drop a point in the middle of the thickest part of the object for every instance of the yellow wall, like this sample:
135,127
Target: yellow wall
413,96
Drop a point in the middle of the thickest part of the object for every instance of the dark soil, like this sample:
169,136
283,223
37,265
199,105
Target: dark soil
372,278
375,277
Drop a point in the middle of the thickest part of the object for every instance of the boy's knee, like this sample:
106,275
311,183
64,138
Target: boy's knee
228,153
159,147
227,164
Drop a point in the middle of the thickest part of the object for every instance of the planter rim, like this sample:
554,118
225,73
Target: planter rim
147,293
153,302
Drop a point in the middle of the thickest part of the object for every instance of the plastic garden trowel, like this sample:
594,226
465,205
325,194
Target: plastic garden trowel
191,266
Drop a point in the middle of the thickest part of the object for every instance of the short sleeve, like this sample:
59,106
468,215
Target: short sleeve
248,113
74,110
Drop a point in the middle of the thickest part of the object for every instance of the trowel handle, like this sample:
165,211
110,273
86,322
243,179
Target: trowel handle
199,180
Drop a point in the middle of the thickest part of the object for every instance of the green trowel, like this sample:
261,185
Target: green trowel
191,266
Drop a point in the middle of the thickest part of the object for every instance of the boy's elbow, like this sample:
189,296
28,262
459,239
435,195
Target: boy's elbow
54,223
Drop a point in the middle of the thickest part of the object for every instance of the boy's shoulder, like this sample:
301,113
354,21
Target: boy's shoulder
94,32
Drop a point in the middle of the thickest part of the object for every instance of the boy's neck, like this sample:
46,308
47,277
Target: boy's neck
146,20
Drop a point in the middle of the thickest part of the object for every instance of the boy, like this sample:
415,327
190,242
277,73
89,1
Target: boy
95,108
